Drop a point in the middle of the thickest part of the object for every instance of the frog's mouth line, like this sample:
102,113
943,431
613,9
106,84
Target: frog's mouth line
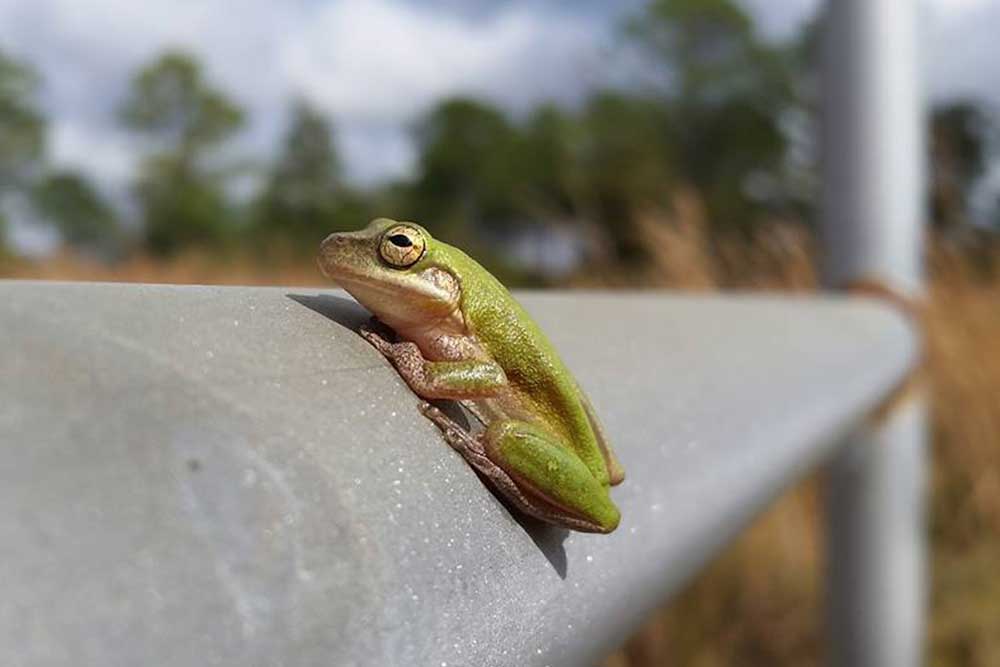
336,271
348,280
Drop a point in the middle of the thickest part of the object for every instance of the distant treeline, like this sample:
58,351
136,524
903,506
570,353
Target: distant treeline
717,112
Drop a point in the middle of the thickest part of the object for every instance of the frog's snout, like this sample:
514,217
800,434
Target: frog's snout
344,254
331,247
332,242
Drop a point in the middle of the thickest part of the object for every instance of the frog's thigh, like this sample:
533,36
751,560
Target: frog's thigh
471,448
551,473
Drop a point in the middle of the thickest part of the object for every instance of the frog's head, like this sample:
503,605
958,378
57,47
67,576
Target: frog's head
390,268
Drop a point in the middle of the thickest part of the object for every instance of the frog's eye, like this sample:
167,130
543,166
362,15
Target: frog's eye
402,246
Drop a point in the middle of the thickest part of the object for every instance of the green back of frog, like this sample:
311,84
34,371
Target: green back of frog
532,365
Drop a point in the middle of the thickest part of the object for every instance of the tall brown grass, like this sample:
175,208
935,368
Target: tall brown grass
760,602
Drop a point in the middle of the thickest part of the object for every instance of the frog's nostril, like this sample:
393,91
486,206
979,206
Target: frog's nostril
332,241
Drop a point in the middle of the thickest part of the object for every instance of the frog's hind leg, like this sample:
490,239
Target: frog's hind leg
552,477
517,448
472,450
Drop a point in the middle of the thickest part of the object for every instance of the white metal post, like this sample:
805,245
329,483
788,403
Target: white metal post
872,227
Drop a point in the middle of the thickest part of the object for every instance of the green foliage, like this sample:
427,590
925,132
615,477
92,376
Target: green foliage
182,196
22,126
707,53
713,123
3,236
22,131
68,201
959,139
626,165
554,185
182,206
727,92
468,160
305,199
171,102
478,168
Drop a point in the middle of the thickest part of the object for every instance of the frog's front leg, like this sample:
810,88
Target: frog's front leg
541,477
455,380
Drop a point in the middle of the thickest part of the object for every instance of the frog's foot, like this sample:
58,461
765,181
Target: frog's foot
374,334
456,435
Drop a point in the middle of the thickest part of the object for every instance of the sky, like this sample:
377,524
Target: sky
374,66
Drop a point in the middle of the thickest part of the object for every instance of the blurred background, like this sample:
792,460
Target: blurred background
635,144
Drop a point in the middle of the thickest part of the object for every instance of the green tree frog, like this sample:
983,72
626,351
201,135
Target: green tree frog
461,336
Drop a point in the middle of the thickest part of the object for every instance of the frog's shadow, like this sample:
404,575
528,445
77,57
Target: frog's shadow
345,312
350,315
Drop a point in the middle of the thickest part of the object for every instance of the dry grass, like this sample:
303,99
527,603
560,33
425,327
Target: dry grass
195,268
760,602
963,330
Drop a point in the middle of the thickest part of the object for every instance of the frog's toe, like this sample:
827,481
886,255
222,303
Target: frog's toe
375,339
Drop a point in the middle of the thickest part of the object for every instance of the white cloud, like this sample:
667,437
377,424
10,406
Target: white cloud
963,50
110,155
959,6
781,20
375,152
373,65
379,61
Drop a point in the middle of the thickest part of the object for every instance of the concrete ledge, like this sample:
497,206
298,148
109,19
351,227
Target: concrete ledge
213,475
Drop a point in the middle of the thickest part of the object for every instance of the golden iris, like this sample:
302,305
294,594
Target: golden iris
402,246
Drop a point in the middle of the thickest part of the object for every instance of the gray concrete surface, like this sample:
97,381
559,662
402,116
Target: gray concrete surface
231,476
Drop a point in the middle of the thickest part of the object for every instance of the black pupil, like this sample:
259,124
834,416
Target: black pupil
400,240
